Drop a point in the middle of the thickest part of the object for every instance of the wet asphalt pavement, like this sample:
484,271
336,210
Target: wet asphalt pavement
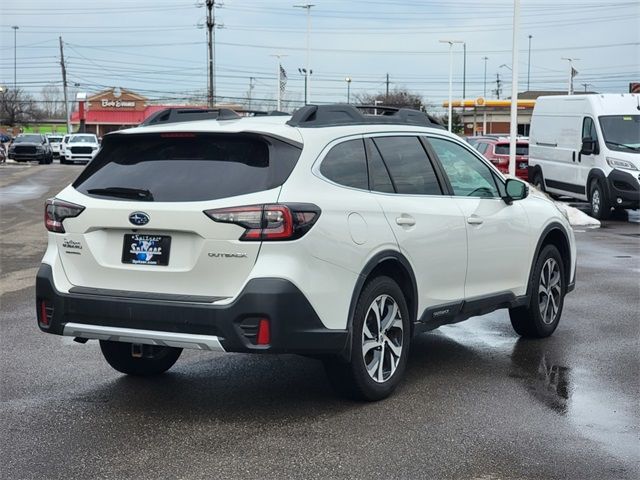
477,402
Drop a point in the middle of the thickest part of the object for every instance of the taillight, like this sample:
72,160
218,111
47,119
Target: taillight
55,211
269,222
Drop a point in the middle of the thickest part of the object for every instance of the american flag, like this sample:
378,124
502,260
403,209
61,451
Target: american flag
283,79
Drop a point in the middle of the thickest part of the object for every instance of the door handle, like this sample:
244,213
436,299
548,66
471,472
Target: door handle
406,221
474,220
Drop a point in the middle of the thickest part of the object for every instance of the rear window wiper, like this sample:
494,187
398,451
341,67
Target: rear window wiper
123,192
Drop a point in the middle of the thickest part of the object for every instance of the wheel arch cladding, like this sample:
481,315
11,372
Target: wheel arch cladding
596,174
394,265
555,235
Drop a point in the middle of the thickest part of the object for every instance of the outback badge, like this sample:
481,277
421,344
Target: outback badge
139,218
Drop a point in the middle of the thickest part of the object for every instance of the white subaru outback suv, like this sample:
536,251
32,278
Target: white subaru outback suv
329,233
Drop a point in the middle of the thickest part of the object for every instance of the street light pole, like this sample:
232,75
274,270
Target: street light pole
15,51
484,96
450,42
513,130
570,60
464,70
348,80
307,6
529,64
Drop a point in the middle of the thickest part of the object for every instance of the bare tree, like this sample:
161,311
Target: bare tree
18,107
52,101
398,97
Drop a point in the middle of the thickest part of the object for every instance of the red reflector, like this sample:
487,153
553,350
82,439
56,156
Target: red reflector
44,320
264,332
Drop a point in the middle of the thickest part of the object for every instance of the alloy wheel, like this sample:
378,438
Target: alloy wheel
549,291
595,202
382,335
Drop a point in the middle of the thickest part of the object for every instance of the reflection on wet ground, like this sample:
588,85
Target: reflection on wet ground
547,381
561,379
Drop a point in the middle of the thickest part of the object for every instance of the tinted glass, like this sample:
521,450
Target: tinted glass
503,149
28,139
409,166
482,147
83,139
189,167
468,175
589,129
379,179
346,164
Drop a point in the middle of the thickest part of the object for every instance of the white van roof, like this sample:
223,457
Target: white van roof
595,104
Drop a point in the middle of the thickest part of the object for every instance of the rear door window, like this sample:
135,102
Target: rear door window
521,149
379,178
346,164
186,167
410,168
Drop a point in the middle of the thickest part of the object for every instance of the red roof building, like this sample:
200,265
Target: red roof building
113,110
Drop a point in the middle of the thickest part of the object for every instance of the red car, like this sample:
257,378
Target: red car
496,150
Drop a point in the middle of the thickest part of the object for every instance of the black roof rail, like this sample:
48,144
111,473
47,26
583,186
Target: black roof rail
311,116
186,114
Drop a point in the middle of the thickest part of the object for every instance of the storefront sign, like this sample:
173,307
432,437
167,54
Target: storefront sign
106,103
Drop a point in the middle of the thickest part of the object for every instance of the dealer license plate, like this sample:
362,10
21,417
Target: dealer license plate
146,249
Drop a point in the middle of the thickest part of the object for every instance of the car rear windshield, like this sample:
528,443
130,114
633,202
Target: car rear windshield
503,149
186,167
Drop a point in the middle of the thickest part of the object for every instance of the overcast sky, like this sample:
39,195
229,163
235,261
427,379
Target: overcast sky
158,47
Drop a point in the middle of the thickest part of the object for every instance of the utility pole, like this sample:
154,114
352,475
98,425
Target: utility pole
386,97
15,56
585,85
498,86
464,71
307,7
529,64
571,74
251,80
211,23
64,86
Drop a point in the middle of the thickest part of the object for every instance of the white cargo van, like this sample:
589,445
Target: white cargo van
588,147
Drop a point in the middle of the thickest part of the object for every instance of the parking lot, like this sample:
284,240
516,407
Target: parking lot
477,402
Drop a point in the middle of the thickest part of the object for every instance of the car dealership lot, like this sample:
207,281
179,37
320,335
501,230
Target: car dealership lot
477,402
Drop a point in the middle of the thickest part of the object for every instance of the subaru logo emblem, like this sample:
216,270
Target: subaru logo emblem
139,218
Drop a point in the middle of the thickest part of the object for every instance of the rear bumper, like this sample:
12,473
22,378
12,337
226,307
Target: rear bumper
294,325
623,186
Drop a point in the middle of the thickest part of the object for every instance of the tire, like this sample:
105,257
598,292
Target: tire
154,360
352,379
600,207
539,318
538,181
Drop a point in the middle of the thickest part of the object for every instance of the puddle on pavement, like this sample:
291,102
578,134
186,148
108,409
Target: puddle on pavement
559,380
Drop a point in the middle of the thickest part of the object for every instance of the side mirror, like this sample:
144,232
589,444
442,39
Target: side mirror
515,190
588,146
